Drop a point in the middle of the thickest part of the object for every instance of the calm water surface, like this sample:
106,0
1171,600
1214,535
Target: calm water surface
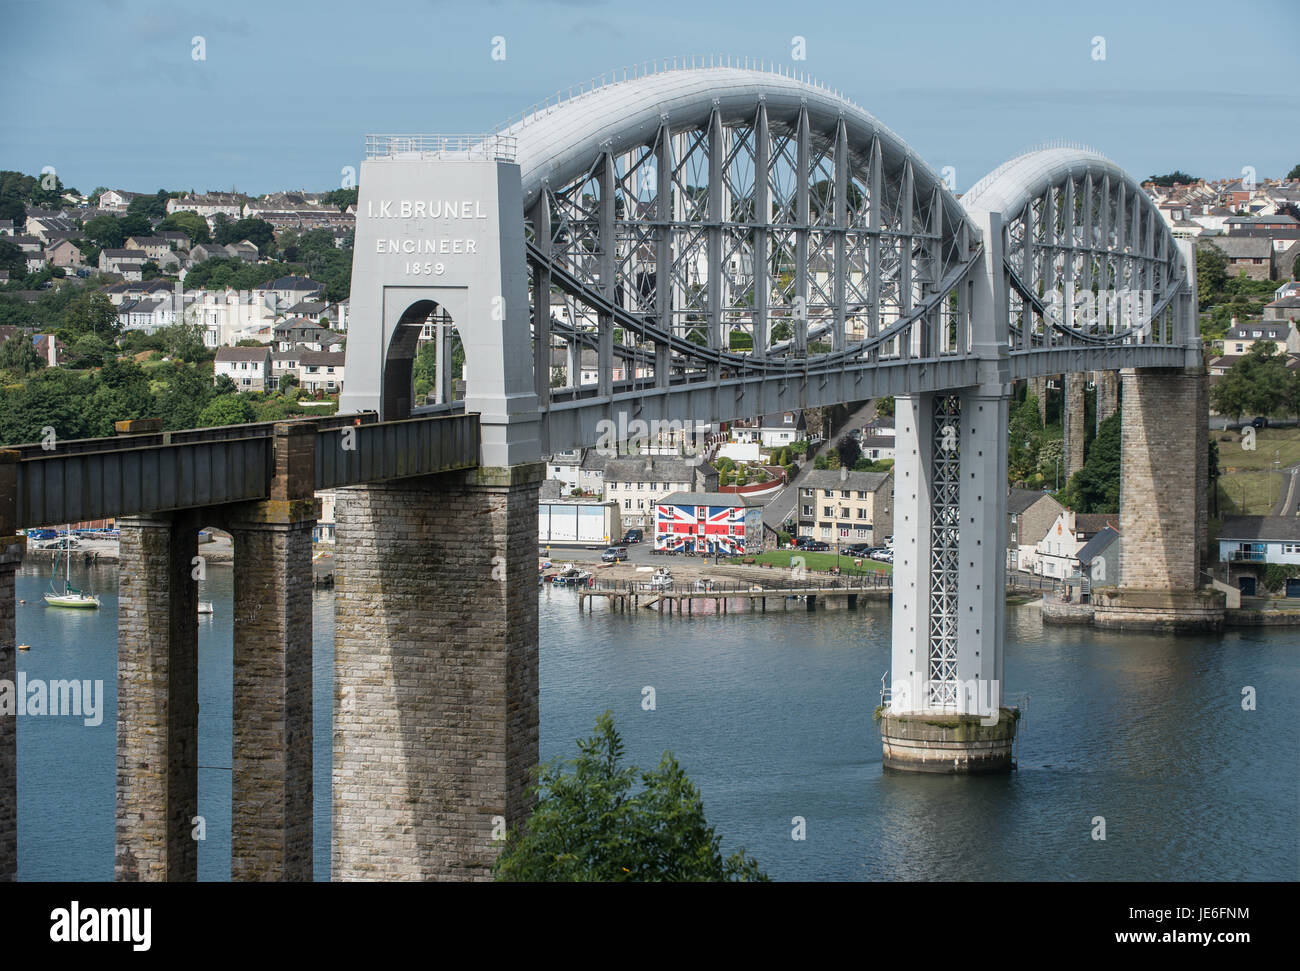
770,715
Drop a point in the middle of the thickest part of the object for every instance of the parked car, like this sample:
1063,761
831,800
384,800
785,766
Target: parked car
816,546
1259,421
615,554
633,536
857,549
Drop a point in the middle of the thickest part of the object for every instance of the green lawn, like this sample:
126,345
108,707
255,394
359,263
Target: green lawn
1248,493
819,561
1271,444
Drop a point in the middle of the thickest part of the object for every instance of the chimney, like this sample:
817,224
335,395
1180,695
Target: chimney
51,352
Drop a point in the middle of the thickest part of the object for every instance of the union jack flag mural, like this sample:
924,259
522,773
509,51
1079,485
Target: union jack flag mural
690,527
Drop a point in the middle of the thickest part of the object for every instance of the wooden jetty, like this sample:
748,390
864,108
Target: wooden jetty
622,595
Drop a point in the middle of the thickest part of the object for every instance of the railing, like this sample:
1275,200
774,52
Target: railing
1248,556
488,147
687,62
873,581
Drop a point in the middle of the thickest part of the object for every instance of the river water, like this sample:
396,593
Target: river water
770,716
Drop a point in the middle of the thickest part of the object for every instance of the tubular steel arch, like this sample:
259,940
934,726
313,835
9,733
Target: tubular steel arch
1089,264
699,226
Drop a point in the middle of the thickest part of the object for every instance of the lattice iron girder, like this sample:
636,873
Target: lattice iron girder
1075,224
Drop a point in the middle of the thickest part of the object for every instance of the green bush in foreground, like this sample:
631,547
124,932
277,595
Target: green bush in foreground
589,825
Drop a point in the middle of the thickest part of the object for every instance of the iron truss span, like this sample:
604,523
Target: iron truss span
720,225
1087,263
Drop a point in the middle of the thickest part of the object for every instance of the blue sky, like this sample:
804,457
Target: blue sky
108,91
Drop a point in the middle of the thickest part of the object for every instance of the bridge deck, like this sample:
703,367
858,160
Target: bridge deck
131,475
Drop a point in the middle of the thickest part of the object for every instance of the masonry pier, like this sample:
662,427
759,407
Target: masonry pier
1163,509
436,710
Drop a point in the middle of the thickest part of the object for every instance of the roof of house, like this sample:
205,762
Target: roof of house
1283,303
321,358
706,499
1097,545
1090,523
298,323
301,283
1281,528
593,460
777,420
1243,247
124,254
856,481
653,468
1272,331
243,353
1019,500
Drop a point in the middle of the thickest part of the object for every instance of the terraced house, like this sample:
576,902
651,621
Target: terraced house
840,506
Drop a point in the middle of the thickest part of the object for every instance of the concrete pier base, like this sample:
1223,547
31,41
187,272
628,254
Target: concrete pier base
946,743
1169,611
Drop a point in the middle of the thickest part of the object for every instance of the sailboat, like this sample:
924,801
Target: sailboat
71,596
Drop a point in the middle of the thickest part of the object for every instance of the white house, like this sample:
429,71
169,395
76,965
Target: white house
1260,540
1057,553
320,371
564,467
248,367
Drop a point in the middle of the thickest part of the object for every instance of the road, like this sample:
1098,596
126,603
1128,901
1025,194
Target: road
1288,502
782,506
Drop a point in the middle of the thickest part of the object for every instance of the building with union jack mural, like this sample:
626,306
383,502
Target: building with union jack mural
708,522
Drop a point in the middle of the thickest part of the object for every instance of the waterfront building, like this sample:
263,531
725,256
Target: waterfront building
842,506
708,522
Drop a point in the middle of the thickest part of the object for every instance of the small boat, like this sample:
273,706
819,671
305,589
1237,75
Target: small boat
71,596
662,579
571,576
205,606
24,647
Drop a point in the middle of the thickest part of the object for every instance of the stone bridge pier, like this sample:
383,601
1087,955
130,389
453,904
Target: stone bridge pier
157,692
1163,508
435,662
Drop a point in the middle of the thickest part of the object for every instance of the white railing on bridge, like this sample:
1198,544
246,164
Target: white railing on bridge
488,147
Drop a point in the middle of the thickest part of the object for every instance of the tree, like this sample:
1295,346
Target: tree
341,198
12,259
104,231
1258,384
1293,174
259,232
87,351
590,825
1211,274
18,356
151,207
848,450
91,313
227,410
1176,177
50,397
885,407
288,381
1095,487
184,341
190,223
